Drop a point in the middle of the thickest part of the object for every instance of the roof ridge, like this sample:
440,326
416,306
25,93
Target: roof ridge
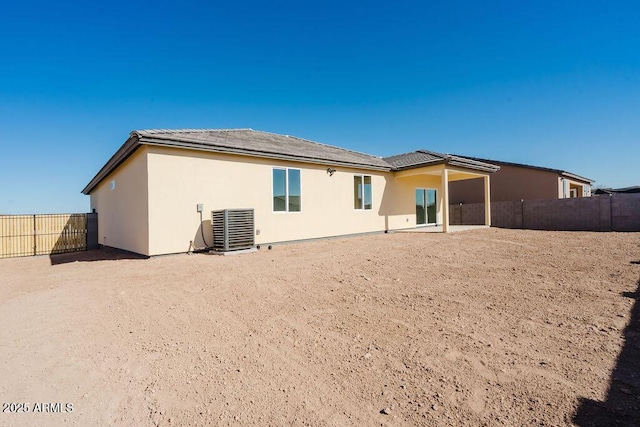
188,130
402,154
434,153
421,150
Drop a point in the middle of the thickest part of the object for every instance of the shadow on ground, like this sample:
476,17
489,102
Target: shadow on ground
102,254
622,405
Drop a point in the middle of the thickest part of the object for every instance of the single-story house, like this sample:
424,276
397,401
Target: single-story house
155,195
514,181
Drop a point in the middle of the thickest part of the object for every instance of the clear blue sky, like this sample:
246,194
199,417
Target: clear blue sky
548,83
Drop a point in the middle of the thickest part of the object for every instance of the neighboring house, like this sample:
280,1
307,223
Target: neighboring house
516,181
147,194
625,190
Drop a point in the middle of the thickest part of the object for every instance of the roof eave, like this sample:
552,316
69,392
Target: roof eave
577,177
162,142
418,165
484,167
136,139
123,153
542,168
453,162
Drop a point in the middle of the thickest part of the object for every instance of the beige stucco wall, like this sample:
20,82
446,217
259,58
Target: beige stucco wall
180,179
401,204
123,211
153,209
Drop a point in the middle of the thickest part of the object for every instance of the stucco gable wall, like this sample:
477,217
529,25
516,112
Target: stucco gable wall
122,210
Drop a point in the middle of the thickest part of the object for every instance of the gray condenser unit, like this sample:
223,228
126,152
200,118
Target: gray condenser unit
233,229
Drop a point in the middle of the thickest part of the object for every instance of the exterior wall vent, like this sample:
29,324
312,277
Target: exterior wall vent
233,229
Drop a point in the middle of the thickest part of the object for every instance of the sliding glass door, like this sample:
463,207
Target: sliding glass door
426,209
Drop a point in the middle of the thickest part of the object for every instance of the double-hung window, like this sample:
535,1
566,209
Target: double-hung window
286,190
362,192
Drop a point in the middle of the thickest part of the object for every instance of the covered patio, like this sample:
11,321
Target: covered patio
430,173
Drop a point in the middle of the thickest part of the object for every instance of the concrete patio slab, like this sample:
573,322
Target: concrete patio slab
438,229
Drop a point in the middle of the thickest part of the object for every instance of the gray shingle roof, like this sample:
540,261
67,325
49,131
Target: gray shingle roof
262,144
420,158
254,143
243,142
415,158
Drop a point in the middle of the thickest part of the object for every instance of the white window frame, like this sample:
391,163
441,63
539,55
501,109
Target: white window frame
364,208
286,190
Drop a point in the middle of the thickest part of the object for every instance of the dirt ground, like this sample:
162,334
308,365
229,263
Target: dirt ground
482,327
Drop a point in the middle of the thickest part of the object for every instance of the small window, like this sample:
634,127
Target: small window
293,193
286,190
113,184
280,190
362,196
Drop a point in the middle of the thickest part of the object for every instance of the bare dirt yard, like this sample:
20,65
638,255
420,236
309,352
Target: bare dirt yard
483,327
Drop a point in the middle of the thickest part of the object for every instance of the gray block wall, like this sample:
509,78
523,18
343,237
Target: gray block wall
618,212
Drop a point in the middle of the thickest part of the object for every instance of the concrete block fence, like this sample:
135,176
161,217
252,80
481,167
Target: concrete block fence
617,212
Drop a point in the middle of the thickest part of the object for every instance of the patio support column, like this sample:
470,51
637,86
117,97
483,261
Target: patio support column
487,201
445,200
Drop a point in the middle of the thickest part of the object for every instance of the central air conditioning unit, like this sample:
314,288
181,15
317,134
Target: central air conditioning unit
233,229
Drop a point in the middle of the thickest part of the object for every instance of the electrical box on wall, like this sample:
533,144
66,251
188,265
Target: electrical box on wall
199,207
